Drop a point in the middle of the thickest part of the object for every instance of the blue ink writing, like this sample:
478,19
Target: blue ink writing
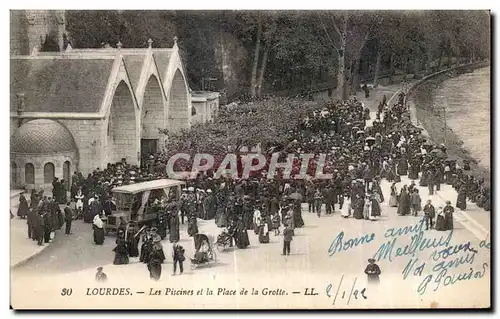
396,232
339,244
445,280
417,271
467,259
484,244
418,243
452,250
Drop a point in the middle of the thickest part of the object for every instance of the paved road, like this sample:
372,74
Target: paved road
71,262
73,259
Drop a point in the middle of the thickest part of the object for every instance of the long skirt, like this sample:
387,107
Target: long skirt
98,236
297,219
393,201
461,201
133,247
174,234
424,180
358,212
243,241
402,171
448,221
145,251
154,267
120,259
263,238
440,225
413,173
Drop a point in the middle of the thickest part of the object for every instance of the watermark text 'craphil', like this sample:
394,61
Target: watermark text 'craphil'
250,163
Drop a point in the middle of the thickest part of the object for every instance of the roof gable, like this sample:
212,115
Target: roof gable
59,85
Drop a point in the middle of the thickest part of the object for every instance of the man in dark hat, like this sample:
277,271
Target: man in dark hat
429,214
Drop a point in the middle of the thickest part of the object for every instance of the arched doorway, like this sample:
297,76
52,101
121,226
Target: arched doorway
29,174
13,174
152,118
122,132
48,173
178,112
67,174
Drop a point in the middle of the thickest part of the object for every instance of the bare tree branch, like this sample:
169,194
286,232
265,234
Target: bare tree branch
335,26
327,34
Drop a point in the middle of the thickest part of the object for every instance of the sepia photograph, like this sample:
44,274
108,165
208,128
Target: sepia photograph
250,159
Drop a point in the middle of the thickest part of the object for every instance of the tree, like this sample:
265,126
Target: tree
351,30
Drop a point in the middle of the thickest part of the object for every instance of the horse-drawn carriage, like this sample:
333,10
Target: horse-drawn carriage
136,202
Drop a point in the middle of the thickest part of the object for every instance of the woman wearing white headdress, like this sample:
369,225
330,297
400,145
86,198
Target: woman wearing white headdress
79,199
98,227
367,208
256,220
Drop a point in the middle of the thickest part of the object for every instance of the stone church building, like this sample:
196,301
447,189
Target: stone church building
79,109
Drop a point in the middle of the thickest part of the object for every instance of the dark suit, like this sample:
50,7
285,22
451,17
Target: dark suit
68,217
287,239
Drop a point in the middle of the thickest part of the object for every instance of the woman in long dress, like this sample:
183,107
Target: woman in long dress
79,201
402,167
448,216
424,180
22,211
242,235
192,226
174,228
156,258
376,189
357,206
146,247
440,222
264,232
462,198
98,227
375,211
393,199
132,240
366,208
121,252
404,202
256,221
298,222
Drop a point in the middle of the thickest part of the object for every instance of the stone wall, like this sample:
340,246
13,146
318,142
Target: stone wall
30,28
153,111
89,139
40,162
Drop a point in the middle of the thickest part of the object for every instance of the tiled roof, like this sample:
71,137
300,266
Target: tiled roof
134,65
42,137
59,85
162,59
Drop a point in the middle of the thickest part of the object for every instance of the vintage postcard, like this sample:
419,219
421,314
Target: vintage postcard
250,159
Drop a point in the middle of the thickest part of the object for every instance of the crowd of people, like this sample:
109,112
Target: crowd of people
359,157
